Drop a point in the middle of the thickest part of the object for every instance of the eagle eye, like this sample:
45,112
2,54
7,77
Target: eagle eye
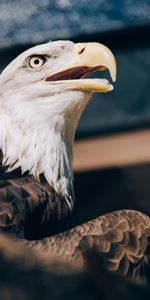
37,61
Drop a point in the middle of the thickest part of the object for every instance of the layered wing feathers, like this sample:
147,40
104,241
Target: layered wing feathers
121,237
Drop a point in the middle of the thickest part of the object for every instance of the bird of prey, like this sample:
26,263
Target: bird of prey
43,93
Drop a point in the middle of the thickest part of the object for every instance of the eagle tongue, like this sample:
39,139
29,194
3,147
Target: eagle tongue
73,73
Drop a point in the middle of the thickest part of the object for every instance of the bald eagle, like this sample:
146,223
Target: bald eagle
43,93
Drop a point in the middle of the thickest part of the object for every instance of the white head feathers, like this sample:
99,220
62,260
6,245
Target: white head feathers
38,118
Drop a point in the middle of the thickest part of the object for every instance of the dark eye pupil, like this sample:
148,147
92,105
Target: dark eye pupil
36,61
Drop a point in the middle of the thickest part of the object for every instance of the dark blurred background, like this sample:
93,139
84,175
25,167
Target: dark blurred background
112,151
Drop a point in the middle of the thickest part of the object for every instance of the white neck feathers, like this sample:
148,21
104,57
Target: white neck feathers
39,140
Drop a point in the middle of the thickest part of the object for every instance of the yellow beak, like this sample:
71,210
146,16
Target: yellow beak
87,58
95,55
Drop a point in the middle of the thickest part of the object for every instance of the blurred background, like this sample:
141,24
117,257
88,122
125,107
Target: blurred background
112,150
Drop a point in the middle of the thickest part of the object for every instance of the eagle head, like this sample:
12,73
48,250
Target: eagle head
43,93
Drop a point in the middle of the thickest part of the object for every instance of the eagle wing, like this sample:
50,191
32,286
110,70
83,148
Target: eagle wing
122,237
35,280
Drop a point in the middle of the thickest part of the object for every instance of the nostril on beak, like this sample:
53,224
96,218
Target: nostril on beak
82,50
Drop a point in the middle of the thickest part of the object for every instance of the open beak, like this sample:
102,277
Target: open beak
87,58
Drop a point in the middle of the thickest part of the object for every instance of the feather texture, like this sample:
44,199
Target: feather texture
122,237
29,208
38,119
